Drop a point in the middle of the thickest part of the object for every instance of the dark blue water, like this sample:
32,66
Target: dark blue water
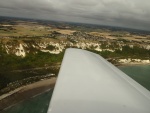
39,104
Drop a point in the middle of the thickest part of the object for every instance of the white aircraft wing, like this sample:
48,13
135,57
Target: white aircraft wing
87,83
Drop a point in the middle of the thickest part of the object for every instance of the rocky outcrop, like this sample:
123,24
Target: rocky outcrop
133,61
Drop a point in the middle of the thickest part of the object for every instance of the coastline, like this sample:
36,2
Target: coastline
25,92
131,64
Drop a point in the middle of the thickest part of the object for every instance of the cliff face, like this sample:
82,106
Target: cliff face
24,47
107,48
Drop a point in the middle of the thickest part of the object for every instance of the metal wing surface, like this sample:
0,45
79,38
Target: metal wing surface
87,83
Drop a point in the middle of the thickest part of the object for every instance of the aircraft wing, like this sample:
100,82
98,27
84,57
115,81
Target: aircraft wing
87,83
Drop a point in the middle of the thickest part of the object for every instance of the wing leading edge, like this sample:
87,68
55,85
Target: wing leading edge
87,83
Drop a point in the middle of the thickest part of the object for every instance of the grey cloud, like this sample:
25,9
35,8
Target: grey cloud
125,13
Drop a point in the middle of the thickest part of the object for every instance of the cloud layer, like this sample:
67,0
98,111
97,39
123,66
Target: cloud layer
125,13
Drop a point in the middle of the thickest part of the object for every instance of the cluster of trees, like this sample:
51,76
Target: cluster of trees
126,52
10,62
135,52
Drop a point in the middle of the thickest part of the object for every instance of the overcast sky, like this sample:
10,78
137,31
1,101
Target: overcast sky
125,13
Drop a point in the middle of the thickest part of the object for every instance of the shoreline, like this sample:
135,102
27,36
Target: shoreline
25,92
131,64
29,91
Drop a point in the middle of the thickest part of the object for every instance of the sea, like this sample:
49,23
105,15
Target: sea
40,103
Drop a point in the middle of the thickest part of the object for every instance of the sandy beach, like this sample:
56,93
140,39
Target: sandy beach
25,92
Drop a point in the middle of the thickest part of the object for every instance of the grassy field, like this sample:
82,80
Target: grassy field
23,30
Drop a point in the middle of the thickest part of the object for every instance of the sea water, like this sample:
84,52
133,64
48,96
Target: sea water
140,73
40,103
37,104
